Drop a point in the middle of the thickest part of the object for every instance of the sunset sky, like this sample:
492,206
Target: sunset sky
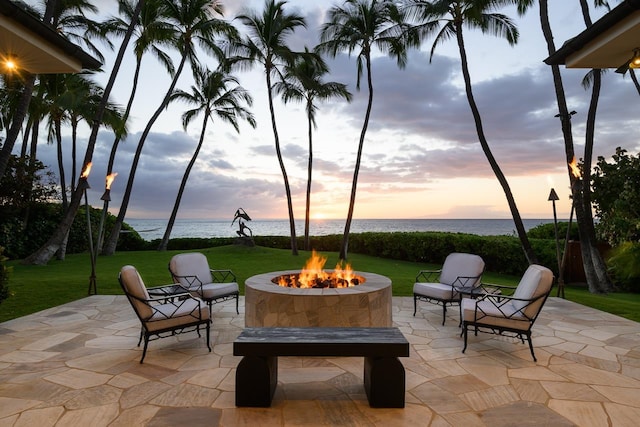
421,157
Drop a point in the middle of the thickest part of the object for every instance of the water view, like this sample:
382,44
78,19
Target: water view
151,229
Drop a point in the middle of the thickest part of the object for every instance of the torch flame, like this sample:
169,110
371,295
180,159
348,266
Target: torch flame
110,179
575,169
86,171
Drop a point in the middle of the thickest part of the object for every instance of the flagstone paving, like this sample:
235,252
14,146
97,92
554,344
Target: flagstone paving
77,365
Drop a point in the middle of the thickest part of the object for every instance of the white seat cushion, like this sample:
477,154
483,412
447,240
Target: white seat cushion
215,290
461,265
435,290
488,314
168,315
134,285
536,281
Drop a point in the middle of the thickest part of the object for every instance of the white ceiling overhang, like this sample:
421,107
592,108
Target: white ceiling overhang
611,48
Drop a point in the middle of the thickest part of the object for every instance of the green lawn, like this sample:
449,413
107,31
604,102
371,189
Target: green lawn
35,288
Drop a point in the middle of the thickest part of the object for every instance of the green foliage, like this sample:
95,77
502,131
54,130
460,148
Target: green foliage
4,277
22,237
547,231
502,254
616,197
26,182
35,288
624,265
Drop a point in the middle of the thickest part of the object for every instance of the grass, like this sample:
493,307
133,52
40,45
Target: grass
35,288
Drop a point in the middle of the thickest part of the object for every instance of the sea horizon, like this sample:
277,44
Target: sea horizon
150,229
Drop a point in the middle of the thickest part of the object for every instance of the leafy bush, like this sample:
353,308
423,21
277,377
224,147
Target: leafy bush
624,265
21,239
4,277
502,254
547,231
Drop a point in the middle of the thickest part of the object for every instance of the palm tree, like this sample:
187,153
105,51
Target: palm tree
265,44
212,95
594,267
303,82
46,251
361,25
150,31
192,21
445,19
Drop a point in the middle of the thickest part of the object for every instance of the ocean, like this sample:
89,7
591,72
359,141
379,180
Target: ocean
151,229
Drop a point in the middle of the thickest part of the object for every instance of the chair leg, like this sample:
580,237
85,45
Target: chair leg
144,350
415,304
237,301
444,312
464,332
209,335
531,347
141,333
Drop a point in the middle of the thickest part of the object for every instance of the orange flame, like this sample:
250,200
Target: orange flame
110,179
312,272
86,171
575,169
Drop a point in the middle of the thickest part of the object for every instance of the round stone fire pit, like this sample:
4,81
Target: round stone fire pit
365,305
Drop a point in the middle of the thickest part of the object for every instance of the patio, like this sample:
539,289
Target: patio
77,364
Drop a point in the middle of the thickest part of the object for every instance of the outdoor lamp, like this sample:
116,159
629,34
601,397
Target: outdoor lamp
10,63
635,59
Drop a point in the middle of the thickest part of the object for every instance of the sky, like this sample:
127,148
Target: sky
421,157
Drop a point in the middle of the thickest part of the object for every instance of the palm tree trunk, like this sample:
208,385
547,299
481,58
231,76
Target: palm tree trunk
63,181
16,123
517,220
125,116
307,242
185,177
632,73
74,151
112,241
46,251
344,248
600,281
292,223
587,246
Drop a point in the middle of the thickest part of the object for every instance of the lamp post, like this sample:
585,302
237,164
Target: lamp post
83,183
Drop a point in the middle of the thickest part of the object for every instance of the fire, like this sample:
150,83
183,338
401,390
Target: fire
110,179
575,169
86,171
312,275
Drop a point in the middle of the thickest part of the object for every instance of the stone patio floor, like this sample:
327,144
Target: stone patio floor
77,365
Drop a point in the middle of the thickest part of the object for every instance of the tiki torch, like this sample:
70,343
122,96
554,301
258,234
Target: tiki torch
83,183
106,198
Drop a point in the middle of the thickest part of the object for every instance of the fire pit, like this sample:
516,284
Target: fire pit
367,304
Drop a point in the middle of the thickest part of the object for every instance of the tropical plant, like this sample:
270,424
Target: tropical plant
446,19
616,197
218,94
4,277
361,26
595,272
265,44
46,251
192,22
303,82
151,32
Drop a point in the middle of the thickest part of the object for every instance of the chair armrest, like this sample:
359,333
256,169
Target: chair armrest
191,281
466,281
499,302
222,276
428,276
